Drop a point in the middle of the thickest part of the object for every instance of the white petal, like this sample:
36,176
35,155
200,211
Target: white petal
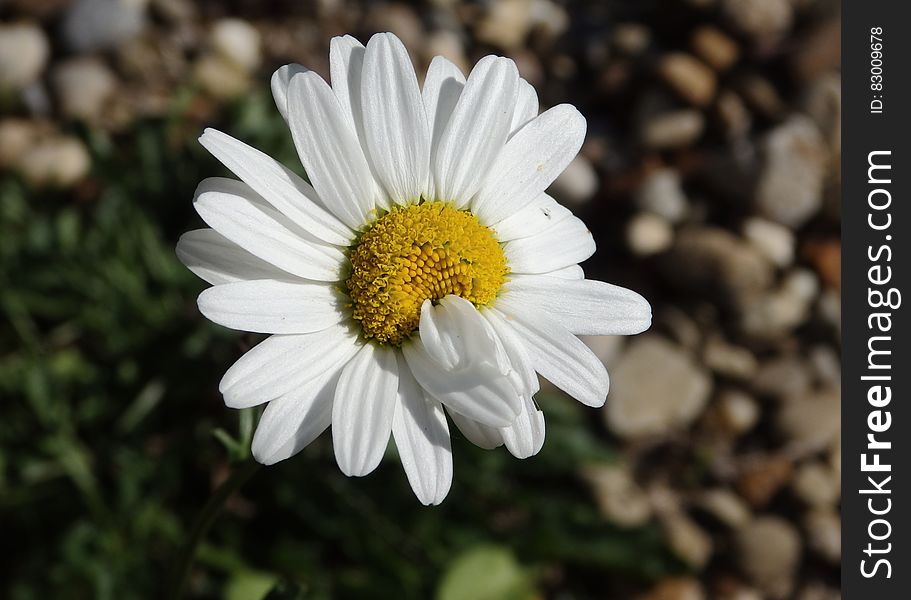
458,360
291,422
442,88
480,435
283,189
269,306
233,210
216,259
570,272
540,214
558,355
281,79
364,406
564,244
282,363
396,133
422,439
525,381
585,307
525,437
476,131
529,162
330,150
346,62
526,106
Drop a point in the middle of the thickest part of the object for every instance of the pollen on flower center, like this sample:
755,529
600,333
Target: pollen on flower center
415,253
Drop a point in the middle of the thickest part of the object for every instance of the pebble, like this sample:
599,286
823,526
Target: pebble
825,256
734,115
810,422
643,405
763,478
648,234
690,78
676,588
819,51
735,362
577,184
661,192
738,411
826,364
823,527
817,484
687,540
782,377
672,129
776,313
769,551
762,96
220,77
238,42
775,241
56,161
506,23
726,506
24,50
819,591
16,137
790,184
715,47
765,22
620,499
449,45
549,18
632,38
711,260
822,103
83,87
102,24
606,347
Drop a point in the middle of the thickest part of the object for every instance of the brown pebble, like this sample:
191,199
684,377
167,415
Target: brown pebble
825,256
689,77
715,47
762,480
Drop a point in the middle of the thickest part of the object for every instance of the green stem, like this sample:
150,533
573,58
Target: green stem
204,522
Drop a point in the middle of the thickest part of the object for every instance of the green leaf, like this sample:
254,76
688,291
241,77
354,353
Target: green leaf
486,573
249,585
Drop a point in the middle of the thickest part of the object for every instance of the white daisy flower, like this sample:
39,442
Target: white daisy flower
423,271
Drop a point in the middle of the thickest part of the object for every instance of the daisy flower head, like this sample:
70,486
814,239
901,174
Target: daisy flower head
421,272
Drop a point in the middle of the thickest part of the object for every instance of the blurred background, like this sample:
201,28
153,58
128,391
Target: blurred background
710,178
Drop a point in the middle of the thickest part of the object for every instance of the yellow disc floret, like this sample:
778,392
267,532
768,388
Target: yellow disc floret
415,253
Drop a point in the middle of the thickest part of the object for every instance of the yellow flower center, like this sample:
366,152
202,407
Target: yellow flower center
415,253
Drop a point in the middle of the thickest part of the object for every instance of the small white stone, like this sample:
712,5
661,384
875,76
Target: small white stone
102,24
775,241
644,405
237,41
55,162
790,186
769,551
726,506
24,51
662,193
83,87
648,234
506,23
619,497
577,183
220,77
817,484
739,411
